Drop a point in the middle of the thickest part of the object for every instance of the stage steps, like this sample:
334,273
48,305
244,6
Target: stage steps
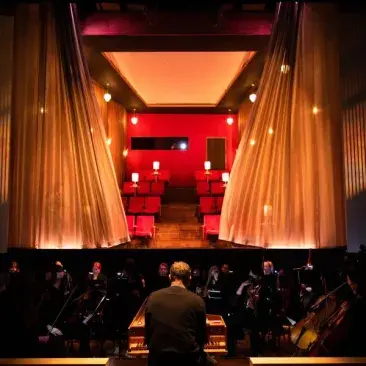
179,227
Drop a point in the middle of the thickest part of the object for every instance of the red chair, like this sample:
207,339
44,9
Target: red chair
145,226
128,189
203,189
211,225
152,206
164,175
219,202
125,202
217,188
150,176
136,205
144,188
157,188
207,206
214,176
200,175
131,225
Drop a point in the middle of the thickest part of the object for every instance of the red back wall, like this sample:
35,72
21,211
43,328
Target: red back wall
182,164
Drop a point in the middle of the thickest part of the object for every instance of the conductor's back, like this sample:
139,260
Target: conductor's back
175,322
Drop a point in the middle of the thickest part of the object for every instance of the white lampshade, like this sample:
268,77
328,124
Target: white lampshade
107,97
134,120
135,177
156,165
230,121
225,177
207,165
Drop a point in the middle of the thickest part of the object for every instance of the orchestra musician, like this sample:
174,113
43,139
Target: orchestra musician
175,322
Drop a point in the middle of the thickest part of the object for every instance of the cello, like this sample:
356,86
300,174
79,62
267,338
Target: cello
309,331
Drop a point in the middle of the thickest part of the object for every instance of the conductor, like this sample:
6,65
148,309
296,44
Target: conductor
175,322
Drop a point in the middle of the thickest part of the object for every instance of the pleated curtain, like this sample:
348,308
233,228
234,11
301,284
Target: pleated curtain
63,188
286,188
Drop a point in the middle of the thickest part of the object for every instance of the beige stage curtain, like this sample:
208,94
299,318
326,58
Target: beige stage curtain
64,192
286,187
115,124
6,69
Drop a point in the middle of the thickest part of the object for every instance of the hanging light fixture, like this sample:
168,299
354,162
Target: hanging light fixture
134,119
252,97
107,96
230,119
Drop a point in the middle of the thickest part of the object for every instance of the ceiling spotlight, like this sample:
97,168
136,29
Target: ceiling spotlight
252,97
134,119
252,142
230,119
183,146
270,131
315,109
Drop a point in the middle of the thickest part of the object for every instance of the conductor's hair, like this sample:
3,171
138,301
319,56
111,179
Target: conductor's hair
180,271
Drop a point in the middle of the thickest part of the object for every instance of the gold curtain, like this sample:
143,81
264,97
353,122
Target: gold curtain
115,122
64,192
243,115
6,68
286,186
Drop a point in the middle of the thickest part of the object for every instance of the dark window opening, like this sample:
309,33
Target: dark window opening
159,143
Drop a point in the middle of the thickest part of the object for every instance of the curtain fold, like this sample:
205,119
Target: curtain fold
286,185
6,67
64,192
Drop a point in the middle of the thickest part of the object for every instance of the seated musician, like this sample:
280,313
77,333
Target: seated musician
162,280
175,322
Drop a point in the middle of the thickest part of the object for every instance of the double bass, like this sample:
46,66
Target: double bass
318,331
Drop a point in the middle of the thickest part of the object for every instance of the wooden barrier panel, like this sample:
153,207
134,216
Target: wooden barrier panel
304,361
55,361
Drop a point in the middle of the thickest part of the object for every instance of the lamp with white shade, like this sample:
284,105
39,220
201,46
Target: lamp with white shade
135,179
156,167
225,178
207,166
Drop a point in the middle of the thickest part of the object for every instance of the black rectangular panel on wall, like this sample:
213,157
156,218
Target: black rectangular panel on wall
159,143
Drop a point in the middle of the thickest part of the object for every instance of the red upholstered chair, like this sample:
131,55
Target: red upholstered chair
152,205
211,225
203,188
219,201
207,206
125,202
144,188
136,205
217,188
128,189
145,226
131,225
157,188
200,175
149,175
164,175
214,176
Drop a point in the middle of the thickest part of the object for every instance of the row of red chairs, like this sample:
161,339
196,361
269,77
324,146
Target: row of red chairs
141,226
144,188
210,205
211,225
150,175
214,175
142,205
210,188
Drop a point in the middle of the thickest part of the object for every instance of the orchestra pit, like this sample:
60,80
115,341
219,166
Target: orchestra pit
182,183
